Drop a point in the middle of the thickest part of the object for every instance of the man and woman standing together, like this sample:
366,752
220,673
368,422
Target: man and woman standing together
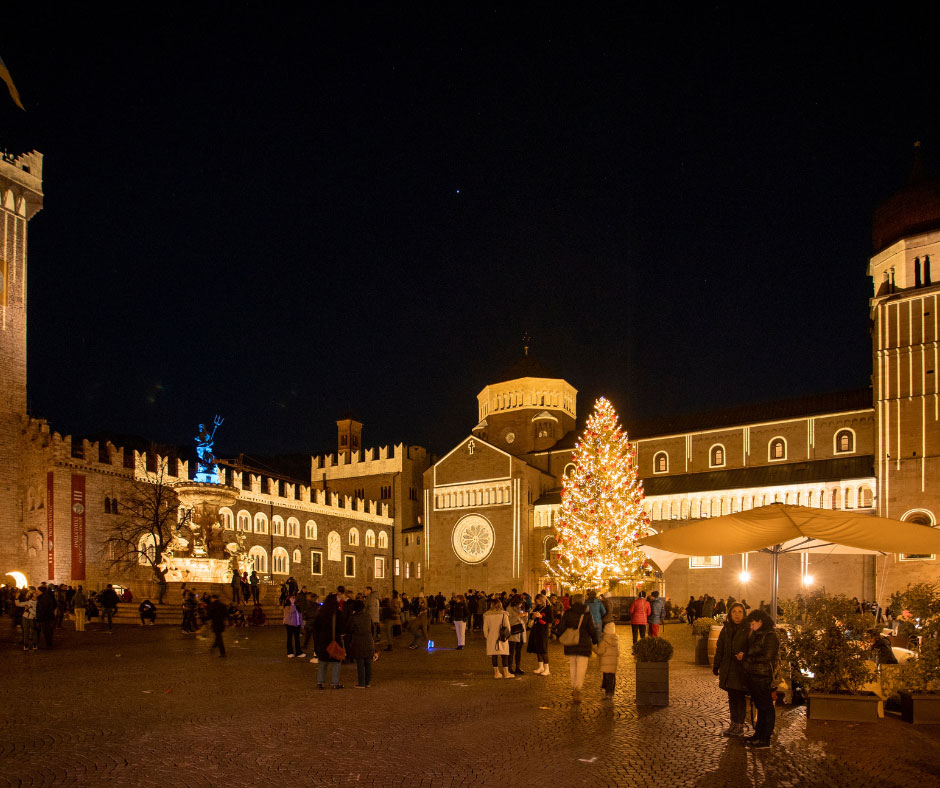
646,612
745,663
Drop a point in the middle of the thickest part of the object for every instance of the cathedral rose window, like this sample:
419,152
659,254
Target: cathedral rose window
473,538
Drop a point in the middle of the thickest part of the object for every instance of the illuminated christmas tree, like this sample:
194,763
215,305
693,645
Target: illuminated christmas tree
602,515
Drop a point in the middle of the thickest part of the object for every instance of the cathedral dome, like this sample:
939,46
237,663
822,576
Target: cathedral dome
913,209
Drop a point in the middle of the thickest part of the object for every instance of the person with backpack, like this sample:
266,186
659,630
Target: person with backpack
656,614
578,635
496,632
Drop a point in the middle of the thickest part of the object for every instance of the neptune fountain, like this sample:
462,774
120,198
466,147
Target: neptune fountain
199,551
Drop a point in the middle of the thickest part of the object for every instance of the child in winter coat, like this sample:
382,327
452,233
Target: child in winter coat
609,652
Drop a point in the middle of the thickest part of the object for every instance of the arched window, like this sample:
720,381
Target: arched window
716,456
277,525
383,540
147,550
107,504
296,557
660,462
370,538
921,517
334,547
836,498
293,527
280,561
844,441
310,530
261,523
354,536
408,567
226,519
244,521
549,544
865,497
777,449
656,512
259,559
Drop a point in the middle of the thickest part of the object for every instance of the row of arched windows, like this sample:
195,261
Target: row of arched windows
244,523
843,442
823,498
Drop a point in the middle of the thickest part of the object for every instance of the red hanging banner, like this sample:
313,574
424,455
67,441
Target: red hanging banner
50,523
78,527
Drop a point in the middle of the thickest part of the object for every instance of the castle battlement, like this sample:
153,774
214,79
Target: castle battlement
106,458
366,462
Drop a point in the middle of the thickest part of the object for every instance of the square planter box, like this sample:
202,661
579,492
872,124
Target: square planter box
846,708
921,709
652,683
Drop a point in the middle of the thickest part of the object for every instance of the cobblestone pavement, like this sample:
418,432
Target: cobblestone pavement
151,707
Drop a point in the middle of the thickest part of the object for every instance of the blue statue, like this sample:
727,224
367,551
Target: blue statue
206,469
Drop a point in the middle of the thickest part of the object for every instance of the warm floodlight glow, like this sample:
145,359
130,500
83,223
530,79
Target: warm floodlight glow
20,579
744,577
807,580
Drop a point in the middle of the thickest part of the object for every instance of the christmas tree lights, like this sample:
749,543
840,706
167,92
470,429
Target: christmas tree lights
602,515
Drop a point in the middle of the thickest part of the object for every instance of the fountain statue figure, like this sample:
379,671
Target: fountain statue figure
206,469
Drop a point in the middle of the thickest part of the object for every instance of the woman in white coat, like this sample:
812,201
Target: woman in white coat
494,620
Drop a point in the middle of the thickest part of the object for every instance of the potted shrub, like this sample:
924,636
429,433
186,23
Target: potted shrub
919,679
826,644
652,657
701,629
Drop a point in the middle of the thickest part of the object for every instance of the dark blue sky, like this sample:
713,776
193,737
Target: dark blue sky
280,215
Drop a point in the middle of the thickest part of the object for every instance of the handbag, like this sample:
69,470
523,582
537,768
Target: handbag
516,629
504,630
570,637
335,650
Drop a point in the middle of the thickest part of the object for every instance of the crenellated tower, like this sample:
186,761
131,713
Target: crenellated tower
20,200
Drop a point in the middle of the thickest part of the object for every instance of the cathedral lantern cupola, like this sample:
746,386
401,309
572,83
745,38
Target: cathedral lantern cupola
529,408
906,234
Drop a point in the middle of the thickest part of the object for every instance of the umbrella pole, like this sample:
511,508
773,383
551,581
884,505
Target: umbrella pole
774,578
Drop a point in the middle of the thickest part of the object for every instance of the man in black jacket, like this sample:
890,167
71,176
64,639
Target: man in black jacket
45,613
108,599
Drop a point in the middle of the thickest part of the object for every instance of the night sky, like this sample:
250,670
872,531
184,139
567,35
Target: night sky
283,215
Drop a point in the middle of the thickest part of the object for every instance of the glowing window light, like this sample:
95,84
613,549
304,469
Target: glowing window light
744,577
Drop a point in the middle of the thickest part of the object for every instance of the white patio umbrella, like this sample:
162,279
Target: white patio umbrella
780,528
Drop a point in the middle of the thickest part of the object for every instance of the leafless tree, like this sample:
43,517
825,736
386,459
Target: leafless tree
149,517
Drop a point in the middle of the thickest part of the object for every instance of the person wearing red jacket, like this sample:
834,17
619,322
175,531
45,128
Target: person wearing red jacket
639,611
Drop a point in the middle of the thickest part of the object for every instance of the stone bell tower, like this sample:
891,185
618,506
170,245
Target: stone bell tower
20,200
